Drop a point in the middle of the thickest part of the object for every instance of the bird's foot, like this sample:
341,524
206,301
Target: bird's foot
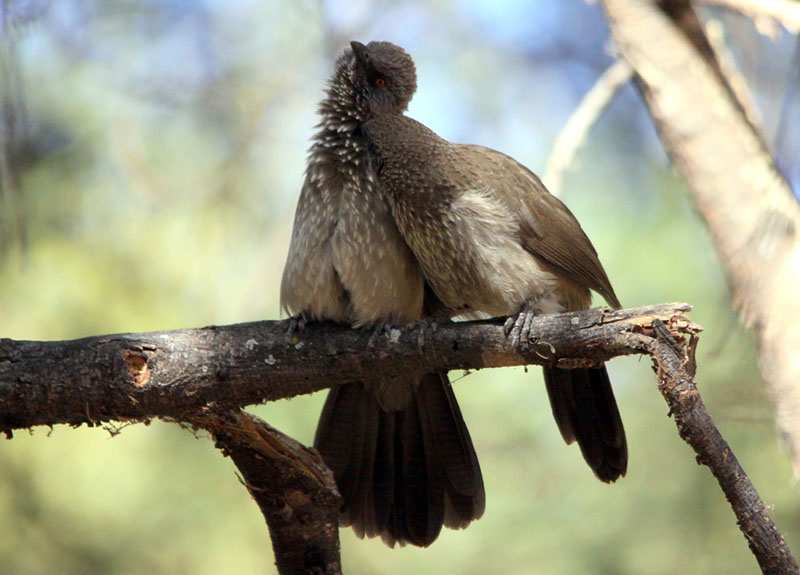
379,330
297,323
519,326
429,324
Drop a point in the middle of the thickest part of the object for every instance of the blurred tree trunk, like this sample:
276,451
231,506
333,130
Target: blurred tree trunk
12,138
753,219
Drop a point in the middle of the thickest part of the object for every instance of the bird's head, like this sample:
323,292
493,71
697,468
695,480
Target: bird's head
384,78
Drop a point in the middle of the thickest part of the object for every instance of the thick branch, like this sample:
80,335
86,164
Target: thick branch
174,373
293,488
192,375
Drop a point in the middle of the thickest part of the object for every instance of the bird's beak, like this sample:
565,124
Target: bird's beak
360,51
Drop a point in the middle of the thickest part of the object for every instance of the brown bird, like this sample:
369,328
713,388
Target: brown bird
490,237
399,449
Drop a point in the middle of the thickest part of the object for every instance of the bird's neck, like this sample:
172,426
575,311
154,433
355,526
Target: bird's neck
337,113
340,111
339,143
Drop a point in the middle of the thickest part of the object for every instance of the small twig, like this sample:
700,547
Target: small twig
786,12
583,118
698,429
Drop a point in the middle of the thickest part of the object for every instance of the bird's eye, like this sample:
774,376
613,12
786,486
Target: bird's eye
380,82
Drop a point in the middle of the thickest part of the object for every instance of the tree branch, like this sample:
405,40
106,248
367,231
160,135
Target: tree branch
196,375
674,368
786,12
175,373
293,488
592,106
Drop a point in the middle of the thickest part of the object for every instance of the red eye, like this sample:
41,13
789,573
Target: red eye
380,82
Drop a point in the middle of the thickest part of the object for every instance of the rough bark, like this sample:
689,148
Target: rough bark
674,368
291,485
198,375
172,373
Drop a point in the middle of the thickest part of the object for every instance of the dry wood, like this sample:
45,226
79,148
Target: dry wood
172,373
200,375
291,485
674,367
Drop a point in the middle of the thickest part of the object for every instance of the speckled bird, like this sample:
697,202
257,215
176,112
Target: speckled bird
399,449
490,237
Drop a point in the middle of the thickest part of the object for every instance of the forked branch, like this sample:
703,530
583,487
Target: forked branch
202,376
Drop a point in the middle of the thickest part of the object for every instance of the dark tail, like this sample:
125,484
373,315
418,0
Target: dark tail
402,474
585,410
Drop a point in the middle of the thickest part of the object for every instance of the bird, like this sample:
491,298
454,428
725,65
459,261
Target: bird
490,237
400,451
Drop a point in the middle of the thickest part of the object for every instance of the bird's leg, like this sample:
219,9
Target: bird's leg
297,323
519,326
430,323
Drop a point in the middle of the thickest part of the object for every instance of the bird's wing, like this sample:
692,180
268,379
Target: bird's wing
547,228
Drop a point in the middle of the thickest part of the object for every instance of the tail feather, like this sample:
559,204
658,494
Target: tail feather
585,410
420,475
465,494
348,446
383,475
402,474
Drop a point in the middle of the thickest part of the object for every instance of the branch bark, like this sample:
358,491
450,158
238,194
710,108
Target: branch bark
291,485
175,373
197,375
674,368
753,219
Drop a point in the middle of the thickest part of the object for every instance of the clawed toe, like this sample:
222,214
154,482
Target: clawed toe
516,331
508,326
297,323
525,331
378,331
425,325
519,327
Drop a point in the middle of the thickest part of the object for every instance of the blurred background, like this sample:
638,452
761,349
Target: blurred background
152,155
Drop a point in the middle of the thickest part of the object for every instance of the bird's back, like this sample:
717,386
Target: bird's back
486,231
